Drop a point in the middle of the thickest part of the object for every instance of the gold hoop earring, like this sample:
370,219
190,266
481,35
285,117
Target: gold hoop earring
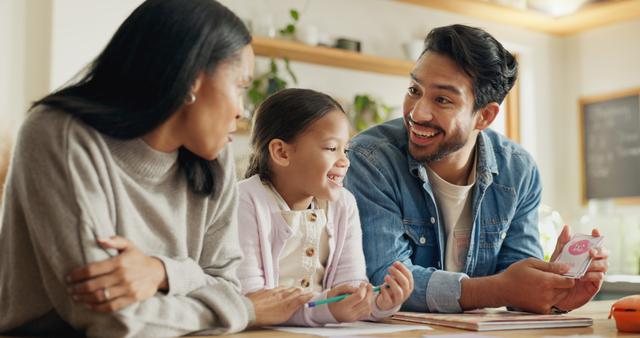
191,99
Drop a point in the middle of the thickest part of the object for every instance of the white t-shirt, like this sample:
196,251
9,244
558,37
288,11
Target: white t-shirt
454,206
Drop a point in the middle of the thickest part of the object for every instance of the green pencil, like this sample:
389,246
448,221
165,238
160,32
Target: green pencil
337,299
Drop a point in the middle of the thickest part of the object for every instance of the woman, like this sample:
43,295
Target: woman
119,214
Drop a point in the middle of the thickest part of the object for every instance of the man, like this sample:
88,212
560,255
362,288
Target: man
455,201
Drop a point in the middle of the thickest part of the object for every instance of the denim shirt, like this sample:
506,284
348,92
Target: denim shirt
400,219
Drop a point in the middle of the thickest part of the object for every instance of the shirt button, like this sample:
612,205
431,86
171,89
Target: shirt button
313,217
305,283
433,220
423,240
503,235
310,251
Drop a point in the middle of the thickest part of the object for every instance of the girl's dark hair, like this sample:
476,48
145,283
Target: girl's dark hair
491,67
284,115
146,71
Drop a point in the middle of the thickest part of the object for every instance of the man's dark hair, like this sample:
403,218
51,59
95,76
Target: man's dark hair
491,67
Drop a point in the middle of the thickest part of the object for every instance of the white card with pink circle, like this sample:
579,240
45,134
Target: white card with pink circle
576,254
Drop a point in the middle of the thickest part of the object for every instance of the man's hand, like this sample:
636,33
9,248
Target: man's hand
588,285
533,285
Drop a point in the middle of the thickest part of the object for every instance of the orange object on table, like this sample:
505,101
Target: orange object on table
626,312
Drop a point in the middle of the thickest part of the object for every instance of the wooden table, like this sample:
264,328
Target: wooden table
598,310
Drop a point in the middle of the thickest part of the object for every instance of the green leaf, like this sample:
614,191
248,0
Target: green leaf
358,103
368,102
255,93
281,84
362,103
294,14
275,85
287,66
378,118
289,30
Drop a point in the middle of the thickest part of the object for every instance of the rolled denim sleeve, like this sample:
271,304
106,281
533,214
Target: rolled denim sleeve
384,239
444,290
523,238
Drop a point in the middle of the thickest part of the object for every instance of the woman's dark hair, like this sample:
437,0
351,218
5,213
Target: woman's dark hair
284,115
491,67
146,71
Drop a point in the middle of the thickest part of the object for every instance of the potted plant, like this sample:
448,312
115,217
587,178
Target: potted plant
367,111
271,81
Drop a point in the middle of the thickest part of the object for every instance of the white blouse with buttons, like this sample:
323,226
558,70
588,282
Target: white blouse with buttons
303,258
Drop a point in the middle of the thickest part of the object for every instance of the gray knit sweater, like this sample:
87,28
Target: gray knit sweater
69,185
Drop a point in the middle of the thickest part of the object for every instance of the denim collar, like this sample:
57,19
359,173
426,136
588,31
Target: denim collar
486,166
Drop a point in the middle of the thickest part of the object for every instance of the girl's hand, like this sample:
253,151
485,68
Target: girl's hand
355,307
400,285
276,306
114,283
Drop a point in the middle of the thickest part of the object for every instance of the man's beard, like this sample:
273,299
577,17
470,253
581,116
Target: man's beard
448,147
443,151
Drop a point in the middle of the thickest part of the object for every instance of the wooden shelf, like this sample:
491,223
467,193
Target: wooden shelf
591,16
330,56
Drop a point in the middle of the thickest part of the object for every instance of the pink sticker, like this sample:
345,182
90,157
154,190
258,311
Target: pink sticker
579,247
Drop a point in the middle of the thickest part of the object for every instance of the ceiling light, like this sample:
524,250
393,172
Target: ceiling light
556,7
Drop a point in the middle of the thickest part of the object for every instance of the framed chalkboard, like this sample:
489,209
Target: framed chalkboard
610,146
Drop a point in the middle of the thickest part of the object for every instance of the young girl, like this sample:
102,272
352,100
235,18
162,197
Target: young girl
298,225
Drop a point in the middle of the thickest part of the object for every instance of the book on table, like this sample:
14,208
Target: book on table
494,319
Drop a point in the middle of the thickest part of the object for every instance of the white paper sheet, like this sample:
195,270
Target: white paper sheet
349,329
459,335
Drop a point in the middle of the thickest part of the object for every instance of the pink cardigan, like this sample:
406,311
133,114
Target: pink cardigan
263,232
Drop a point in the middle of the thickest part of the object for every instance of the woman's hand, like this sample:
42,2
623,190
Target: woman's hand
276,306
114,283
355,307
399,283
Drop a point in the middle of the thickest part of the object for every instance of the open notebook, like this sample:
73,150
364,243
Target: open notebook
494,319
